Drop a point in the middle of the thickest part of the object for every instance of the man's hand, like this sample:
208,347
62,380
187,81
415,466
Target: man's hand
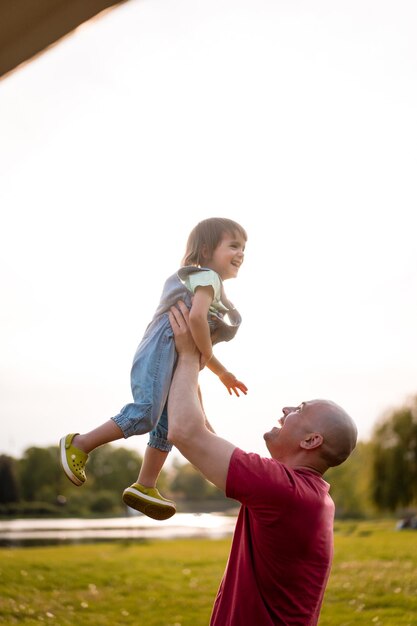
230,381
178,318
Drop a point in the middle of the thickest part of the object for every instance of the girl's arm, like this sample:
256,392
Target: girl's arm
228,379
200,331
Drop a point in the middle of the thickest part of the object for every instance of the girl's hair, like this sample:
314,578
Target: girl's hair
209,233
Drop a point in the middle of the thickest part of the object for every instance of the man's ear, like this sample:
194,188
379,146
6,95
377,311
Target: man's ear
311,441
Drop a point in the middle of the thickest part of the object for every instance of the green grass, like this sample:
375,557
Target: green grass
374,577
173,583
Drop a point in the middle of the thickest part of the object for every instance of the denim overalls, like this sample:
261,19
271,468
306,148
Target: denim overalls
155,359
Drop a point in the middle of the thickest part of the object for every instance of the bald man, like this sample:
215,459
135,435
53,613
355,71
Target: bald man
282,547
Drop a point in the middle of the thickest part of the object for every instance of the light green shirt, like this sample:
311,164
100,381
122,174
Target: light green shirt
207,278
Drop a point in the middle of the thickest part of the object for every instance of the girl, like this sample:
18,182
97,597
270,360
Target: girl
214,253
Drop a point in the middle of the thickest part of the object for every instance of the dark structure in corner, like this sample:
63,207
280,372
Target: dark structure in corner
28,27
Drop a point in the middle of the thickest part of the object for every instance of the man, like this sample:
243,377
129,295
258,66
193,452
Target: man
282,548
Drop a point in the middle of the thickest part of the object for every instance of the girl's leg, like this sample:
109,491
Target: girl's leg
153,462
107,432
143,495
154,458
74,449
156,452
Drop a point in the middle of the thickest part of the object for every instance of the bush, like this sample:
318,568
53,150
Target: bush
31,509
105,501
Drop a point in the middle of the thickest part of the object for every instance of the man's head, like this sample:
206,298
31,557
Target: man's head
318,434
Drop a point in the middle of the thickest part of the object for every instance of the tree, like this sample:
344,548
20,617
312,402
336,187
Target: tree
395,458
112,468
9,488
189,483
350,483
41,477
109,470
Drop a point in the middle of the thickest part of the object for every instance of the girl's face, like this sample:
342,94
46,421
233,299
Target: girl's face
227,257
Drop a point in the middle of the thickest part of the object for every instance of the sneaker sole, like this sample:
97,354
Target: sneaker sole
64,464
152,507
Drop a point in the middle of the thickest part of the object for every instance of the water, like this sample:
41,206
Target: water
25,532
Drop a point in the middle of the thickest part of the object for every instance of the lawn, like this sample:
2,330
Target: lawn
374,576
173,583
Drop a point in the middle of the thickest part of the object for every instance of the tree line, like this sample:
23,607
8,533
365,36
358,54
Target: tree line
379,477
36,485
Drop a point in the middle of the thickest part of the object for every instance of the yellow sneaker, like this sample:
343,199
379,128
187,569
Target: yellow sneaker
149,501
73,460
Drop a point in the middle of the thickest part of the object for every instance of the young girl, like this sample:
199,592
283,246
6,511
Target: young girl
214,253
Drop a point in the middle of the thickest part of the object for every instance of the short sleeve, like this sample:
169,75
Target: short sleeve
254,480
204,279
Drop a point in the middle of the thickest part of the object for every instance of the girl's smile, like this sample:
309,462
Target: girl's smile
228,256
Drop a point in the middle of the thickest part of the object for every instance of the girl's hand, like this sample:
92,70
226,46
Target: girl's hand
230,381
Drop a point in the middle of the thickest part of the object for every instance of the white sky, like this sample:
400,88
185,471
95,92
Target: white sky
297,119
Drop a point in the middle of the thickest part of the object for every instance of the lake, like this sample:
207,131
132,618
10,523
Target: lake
26,532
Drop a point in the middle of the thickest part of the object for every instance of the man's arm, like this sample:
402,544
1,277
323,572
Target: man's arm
187,431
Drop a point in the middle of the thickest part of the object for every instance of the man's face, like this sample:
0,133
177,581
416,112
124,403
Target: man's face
311,425
294,425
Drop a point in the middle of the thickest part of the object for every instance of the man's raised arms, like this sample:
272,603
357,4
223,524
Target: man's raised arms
186,421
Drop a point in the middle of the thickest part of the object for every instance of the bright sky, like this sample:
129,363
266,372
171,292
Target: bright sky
298,120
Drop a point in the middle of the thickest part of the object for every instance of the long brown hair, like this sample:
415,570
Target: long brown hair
209,233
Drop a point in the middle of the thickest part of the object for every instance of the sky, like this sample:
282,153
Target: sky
296,119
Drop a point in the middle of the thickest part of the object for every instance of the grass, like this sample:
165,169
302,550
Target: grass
173,583
374,577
